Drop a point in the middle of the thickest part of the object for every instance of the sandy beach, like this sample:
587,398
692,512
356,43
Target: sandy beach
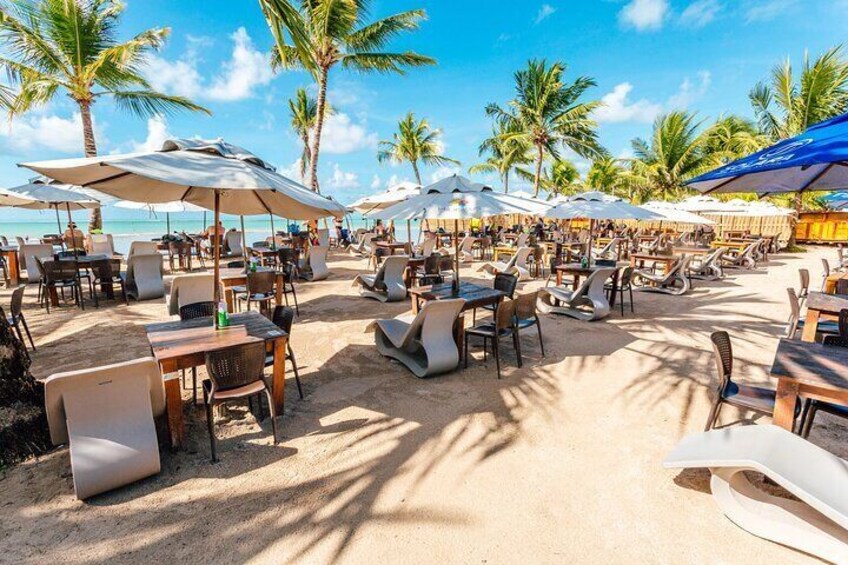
557,462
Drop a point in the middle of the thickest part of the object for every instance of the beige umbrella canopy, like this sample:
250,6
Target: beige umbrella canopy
214,175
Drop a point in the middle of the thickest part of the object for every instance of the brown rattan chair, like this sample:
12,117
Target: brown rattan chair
842,286
804,276
502,326
59,276
289,276
260,289
284,317
235,373
429,273
16,315
748,397
108,272
190,312
526,316
625,285
504,282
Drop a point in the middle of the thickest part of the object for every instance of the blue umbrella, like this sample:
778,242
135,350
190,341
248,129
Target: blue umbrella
837,200
815,160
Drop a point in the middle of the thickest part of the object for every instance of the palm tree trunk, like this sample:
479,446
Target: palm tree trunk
95,219
305,159
537,181
799,205
506,182
319,126
417,174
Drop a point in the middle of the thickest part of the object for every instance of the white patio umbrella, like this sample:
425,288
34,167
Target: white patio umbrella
457,198
161,208
214,175
45,195
671,213
381,200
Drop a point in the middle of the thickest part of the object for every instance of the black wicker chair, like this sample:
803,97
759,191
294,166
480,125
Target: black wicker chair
16,316
235,373
259,289
284,317
190,312
625,285
59,276
505,283
526,316
107,272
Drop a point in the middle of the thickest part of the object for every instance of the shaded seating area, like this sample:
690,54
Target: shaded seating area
587,302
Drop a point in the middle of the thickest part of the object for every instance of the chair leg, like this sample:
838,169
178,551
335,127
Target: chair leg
294,368
194,383
516,340
273,412
210,422
808,423
497,353
539,329
26,327
632,311
713,417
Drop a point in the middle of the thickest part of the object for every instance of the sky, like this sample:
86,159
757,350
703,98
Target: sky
647,57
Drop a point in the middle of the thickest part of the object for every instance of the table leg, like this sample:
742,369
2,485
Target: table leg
784,407
614,290
415,305
174,409
576,282
811,325
559,278
228,296
459,335
13,268
279,379
54,296
280,283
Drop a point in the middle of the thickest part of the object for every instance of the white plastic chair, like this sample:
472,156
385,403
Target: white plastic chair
588,302
388,284
314,265
145,277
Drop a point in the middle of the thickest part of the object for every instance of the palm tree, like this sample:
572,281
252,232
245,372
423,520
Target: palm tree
676,152
53,46
559,177
504,154
317,35
549,114
414,142
303,110
606,174
732,137
785,107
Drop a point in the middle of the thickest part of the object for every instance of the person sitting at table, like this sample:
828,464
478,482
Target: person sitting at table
73,237
212,230
379,228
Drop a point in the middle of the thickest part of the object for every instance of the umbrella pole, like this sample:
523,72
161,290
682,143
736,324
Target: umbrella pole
456,250
217,254
243,243
71,224
591,238
168,222
273,233
409,232
58,221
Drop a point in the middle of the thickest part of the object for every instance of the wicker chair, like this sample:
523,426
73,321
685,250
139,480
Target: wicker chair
527,316
190,312
289,276
747,397
260,289
61,275
506,284
625,285
16,316
503,326
430,273
235,373
181,251
108,272
284,317
796,322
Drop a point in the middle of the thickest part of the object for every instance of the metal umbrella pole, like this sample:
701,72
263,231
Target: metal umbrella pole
217,254
71,227
58,221
168,222
243,243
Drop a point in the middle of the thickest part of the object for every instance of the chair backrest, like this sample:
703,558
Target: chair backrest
842,286
723,353
428,247
843,325
233,241
285,255
467,244
626,276
679,267
324,237
525,305
436,318
197,310
794,305
445,263
825,267
143,248
522,240
283,317
506,283
59,384
28,254
59,270
520,257
714,256
431,264
261,282
16,304
505,315
593,282
236,366
393,268
804,275
144,266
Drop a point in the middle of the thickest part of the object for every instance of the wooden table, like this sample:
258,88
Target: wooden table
13,267
183,344
739,246
499,250
667,261
821,306
578,271
263,253
475,295
237,277
410,275
692,250
811,370
393,246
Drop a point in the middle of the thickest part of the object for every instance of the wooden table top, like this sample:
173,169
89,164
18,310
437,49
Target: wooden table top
474,295
8,248
240,273
811,363
86,259
828,303
692,250
179,338
580,269
651,257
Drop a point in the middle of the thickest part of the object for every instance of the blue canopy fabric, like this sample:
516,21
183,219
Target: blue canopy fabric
813,161
837,200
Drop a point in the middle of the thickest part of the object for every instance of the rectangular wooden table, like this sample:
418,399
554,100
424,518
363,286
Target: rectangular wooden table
183,344
237,277
475,295
667,261
393,246
13,268
811,370
821,306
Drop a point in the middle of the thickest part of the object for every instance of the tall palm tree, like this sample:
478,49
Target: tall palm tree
549,114
785,105
52,46
606,174
317,35
559,177
303,110
414,142
503,154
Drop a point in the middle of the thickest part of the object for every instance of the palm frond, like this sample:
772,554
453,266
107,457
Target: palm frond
144,103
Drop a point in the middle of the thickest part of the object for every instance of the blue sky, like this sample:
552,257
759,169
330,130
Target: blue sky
647,56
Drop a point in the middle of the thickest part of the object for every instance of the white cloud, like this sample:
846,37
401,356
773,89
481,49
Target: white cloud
342,179
644,15
341,135
43,131
395,180
768,10
700,13
545,12
157,134
444,172
376,182
689,92
292,171
617,107
238,78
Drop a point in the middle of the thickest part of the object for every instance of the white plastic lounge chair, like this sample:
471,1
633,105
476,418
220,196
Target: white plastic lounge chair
666,282
516,264
425,344
143,248
324,238
313,266
144,277
102,244
191,289
522,240
744,260
816,524
708,267
608,251
28,251
388,284
363,246
106,416
427,247
465,249
589,302
232,240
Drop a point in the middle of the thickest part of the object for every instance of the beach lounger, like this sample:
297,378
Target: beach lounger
709,266
388,284
516,264
143,248
28,252
589,302
191,289
466,247
666,282
313,266
363,246
608,251
744,260
144,277
427,247
233,243
324,238
425,344
105,415
816,523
